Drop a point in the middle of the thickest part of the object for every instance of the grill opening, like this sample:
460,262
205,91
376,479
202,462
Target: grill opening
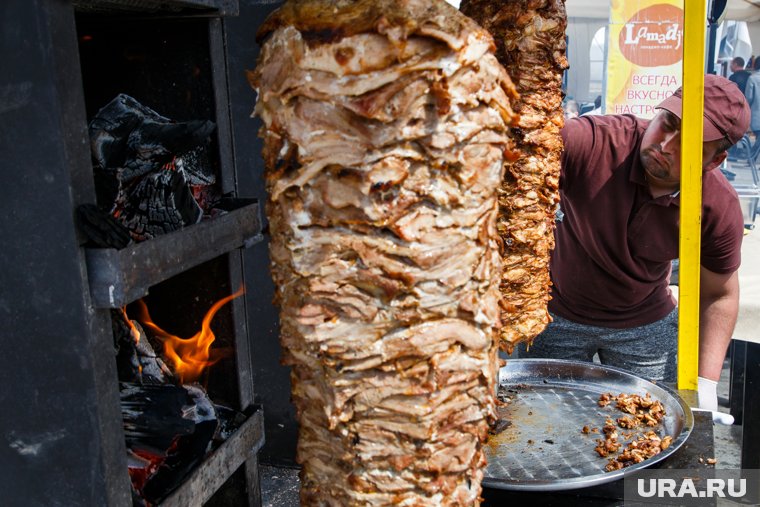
165,63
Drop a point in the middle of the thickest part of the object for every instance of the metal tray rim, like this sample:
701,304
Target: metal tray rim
593,480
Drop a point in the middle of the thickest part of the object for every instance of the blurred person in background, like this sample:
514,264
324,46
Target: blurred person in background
752,92
571,109
739,74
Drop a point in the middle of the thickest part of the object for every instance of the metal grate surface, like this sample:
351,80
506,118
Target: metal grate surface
543,448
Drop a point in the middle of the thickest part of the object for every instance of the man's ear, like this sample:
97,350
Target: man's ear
716,161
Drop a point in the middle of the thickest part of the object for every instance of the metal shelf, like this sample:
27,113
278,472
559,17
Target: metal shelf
118,277
209,476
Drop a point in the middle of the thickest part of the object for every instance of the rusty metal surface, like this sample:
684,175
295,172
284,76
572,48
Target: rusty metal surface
118,277
543,448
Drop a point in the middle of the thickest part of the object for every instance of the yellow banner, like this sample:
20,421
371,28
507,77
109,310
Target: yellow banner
645,55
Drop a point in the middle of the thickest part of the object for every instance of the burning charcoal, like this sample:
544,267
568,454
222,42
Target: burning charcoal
229,421
136,361
131,139
160,203
196,165
139,470
149,170
101,228
197,169
170,428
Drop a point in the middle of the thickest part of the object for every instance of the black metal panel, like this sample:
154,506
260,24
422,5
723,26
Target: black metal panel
272,378
736,381
59,397
217,44
243,358
217,7
751,426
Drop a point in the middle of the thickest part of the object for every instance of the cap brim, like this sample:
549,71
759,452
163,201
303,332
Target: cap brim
674,104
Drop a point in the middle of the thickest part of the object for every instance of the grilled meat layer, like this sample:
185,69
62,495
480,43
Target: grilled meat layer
385,136
530,42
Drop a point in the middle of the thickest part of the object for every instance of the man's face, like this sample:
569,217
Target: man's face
735,67
661,151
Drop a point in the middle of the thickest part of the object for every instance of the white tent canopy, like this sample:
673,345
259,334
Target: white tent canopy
743,10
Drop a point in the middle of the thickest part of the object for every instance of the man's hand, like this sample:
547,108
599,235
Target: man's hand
707,397
707,393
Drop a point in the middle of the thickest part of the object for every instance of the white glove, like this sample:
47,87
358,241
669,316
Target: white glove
707,393
707,397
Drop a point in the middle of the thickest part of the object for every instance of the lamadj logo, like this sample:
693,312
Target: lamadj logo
653,36
671,488
688,487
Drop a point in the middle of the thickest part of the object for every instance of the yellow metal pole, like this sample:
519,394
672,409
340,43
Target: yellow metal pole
695,19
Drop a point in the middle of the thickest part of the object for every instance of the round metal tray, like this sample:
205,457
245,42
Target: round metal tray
543,448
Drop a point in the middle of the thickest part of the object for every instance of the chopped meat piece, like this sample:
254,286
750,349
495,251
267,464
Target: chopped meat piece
648,411
644,447
530,42
607,446
643,410
385,127
613,464
586,430
627,422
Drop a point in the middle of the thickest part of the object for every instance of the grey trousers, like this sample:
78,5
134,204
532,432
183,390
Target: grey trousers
648,351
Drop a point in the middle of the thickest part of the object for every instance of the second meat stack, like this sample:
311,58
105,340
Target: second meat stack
385,128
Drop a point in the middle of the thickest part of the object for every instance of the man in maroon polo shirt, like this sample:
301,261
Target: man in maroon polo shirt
618,234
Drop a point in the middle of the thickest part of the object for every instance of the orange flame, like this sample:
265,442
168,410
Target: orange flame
189,356
132,328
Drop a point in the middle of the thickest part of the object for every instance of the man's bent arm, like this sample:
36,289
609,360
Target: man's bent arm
718,309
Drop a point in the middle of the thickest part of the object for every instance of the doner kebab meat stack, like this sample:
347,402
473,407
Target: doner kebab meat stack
530,41
385,136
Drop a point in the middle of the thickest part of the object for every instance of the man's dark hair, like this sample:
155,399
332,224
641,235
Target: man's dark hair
738,61
756,64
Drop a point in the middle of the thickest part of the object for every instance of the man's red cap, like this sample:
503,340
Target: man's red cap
726,111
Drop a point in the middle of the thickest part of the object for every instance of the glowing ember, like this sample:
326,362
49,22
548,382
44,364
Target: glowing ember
189,356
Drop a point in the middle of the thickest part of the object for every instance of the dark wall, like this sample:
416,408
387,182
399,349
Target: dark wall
271,379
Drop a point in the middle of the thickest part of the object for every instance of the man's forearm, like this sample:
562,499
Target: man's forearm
715,329
716,325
